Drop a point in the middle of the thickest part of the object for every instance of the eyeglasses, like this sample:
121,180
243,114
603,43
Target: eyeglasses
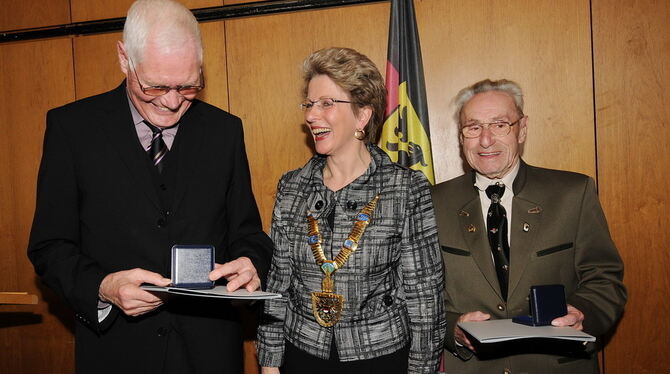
323,104
497,128
162,90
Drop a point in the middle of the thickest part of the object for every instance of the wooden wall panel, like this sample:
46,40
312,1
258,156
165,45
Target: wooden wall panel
543,46
88,10
235,2
265,56
24,14
252,67
35,77
457,50
215,64
96,64
632,76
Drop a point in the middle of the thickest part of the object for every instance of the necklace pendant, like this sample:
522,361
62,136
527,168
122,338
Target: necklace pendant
326,305
327,308
327,284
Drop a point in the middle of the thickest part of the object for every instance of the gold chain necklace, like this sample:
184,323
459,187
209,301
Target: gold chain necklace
327,305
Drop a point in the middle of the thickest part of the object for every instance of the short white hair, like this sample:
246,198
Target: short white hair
169,24
503,85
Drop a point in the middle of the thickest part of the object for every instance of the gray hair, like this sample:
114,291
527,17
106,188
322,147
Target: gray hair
509,87
169,24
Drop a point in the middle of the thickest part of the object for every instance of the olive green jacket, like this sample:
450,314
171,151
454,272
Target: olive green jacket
558,236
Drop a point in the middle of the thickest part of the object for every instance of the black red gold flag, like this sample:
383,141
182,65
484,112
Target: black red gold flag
405,135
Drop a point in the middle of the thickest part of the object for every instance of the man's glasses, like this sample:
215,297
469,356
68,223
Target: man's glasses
162,90
323,104
497,128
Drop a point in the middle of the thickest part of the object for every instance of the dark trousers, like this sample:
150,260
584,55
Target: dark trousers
297,361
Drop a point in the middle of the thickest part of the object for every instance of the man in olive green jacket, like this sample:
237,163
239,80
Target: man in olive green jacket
553,232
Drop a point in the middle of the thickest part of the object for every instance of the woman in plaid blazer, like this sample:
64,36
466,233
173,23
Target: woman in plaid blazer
357,259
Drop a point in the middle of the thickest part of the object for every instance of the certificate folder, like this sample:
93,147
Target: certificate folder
220,292
501,330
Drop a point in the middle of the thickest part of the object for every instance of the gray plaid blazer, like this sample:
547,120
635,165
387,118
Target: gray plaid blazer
392,285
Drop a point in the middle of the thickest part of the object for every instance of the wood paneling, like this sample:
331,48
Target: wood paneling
24,14
233,2
543,47
632,76
265,57
96,64
252,66
88,10
35,77
502,41
215,64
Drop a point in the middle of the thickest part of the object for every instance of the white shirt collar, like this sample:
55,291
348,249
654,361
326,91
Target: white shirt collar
481,181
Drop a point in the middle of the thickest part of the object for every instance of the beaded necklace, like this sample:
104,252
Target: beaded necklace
327,305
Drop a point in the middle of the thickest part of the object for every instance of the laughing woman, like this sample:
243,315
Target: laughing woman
357,259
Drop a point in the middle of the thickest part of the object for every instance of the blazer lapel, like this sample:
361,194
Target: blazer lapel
119,129
474,232
526,219
191,133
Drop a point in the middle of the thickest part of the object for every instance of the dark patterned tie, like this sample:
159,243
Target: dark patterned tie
496,222
157,149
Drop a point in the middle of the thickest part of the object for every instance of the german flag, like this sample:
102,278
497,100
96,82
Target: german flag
405,135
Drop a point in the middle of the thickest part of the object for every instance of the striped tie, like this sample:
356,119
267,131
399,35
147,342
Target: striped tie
157,149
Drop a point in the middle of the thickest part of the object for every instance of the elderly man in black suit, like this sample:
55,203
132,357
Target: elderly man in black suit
506,226
129,173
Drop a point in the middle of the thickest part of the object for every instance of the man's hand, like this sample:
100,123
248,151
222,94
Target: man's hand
460,336
573,319
239,273
123,290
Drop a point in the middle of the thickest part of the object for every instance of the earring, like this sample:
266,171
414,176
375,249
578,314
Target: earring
359,134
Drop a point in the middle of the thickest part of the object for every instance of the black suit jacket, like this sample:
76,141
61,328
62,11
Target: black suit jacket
102,207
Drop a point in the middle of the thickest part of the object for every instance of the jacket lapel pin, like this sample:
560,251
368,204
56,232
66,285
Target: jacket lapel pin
463,213
472,228
535,210
526,227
